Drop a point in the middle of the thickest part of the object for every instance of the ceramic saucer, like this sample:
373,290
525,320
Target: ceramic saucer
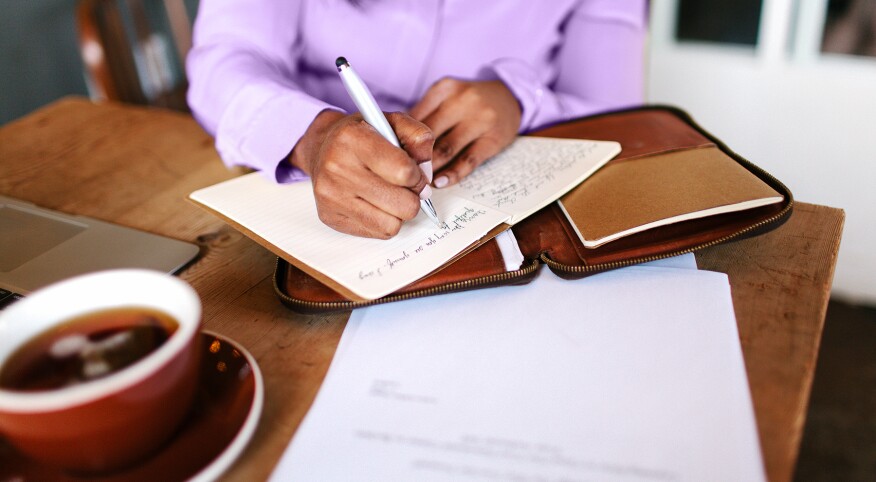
222,421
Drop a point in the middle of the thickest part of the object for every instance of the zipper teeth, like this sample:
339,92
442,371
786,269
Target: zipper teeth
348,305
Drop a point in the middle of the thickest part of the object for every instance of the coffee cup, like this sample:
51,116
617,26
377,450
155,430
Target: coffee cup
105,417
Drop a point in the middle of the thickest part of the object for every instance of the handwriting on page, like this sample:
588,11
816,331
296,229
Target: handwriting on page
526,168
423,245
369,268
374,267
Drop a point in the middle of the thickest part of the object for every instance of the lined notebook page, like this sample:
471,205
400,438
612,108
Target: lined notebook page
285,218
534,172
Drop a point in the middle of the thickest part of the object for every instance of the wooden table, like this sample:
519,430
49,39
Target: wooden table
136,166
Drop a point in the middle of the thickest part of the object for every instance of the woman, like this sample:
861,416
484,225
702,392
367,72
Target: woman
465,76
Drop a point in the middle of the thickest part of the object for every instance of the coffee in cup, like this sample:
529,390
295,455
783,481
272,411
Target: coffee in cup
98,371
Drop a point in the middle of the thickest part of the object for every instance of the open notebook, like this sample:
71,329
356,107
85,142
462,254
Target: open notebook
528,175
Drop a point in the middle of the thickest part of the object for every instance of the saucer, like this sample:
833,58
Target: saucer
225,415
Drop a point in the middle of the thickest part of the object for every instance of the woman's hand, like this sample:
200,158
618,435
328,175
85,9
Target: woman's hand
364,185
472,121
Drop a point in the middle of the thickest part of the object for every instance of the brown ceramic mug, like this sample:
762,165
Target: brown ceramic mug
111,422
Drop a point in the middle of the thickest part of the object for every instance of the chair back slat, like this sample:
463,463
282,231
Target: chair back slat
180,25
134,50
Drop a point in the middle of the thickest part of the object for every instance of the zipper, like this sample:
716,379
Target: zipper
318,306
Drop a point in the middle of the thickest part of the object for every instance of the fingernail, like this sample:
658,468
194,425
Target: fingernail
426,193
441,182
427,169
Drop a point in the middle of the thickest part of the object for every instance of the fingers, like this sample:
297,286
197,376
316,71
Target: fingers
366,163
360,218
437,94
469,159
341,181
453,131
375,210
371,208
443,108
453,142
471,120
392,166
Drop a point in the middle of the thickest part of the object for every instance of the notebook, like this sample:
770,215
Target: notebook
633,195
525,177
40,246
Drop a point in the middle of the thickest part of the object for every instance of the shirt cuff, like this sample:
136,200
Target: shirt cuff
261,126
286,173
523,82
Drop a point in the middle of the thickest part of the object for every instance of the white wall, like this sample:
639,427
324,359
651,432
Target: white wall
809,120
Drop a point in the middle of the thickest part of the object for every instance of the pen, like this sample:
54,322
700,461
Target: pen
374,116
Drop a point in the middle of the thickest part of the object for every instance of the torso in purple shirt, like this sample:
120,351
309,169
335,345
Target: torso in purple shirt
261,70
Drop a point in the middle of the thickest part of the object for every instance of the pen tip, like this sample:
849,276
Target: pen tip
340,61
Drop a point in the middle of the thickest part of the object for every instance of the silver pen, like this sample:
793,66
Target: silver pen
374,116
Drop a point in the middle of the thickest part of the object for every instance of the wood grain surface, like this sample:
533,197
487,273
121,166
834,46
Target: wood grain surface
135,166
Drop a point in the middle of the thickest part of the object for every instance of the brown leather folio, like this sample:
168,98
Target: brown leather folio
654,139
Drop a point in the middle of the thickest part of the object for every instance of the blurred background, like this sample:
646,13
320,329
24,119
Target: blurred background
788,84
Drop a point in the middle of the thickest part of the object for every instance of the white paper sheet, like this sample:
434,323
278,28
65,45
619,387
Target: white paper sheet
635,374
684,261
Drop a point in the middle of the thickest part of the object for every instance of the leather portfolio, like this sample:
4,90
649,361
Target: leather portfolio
658,139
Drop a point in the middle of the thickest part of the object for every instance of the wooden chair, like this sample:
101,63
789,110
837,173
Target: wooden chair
134,50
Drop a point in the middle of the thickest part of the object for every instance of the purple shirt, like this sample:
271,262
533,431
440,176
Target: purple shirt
261,70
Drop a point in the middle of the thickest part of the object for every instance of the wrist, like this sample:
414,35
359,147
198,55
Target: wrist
306,149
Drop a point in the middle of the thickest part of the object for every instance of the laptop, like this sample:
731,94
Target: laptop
40,246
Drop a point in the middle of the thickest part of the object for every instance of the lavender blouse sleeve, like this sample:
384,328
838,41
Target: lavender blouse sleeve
243,87
599,66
